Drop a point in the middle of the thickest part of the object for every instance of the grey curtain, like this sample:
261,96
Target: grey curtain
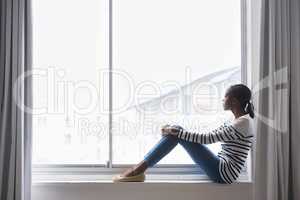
276,83
15,124
294,173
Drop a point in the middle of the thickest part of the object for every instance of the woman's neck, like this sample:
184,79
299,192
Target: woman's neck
237,113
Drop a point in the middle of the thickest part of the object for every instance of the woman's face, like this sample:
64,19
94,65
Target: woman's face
226,102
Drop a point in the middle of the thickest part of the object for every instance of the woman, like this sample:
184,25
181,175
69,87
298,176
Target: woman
236,138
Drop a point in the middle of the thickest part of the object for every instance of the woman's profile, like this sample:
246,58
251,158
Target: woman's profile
236,140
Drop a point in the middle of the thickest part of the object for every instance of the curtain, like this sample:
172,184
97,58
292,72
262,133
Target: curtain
275,84
15,96
294,102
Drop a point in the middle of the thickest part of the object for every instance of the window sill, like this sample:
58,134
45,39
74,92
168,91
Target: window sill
93,189
150,180
48,175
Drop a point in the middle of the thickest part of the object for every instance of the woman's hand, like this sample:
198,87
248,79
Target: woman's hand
170,130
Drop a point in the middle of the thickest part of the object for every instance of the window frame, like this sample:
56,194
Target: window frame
158,172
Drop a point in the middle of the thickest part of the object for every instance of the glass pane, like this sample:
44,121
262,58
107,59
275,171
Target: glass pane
162,47
70,90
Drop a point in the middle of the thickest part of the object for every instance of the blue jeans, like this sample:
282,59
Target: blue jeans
200,154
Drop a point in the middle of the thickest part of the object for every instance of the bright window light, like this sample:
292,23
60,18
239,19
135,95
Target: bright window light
171,62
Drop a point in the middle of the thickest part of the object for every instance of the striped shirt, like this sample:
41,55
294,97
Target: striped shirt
236,139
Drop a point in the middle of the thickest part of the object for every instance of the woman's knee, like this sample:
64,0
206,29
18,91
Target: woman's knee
171,137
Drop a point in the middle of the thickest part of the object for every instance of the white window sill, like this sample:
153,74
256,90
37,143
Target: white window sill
48,175
150,179
94,189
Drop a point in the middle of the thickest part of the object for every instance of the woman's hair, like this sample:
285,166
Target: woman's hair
243,94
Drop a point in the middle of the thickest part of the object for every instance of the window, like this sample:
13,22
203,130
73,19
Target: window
70,53
171,62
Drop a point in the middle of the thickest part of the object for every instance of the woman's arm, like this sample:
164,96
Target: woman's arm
221,134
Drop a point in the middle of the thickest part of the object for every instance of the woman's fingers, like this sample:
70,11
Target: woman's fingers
172,130
164,127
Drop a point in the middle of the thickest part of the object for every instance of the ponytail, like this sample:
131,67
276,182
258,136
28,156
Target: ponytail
249,108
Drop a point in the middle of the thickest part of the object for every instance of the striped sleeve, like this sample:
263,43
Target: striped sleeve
221,134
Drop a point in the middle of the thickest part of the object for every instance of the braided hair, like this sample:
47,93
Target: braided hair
243,94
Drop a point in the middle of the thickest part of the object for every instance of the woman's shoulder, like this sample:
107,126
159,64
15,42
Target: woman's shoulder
243,125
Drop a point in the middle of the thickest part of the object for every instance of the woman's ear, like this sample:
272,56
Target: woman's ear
234,101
